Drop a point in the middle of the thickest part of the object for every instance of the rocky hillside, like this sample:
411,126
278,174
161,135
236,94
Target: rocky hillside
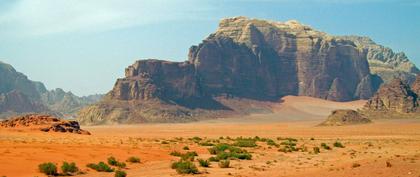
397,99
384,62
245,59
19,95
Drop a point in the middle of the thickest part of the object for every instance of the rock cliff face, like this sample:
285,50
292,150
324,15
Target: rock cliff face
19,95
255,59
397,99
245,59
385,62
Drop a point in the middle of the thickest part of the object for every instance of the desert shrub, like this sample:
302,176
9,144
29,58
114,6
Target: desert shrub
133,159
325,146
225,151
338,144
271,142
213,159
189,156
245,142
185,167
119,173
316,150
288,145
204,163
114,162
224,164
100,167
48,168
206,143
69,168
312,139
185,156
186,148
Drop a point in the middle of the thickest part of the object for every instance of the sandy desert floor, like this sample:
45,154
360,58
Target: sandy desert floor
368,148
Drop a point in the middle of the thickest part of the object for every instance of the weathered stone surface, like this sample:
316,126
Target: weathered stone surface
272,59
345,117
385,62
45,123
395,96
244,59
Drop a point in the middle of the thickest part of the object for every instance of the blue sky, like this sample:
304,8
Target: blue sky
83,46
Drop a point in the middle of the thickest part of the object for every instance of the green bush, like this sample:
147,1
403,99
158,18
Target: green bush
133,159
338,144
325,146
185,167
224,164
245,142
119,173
69,168
225,151
206,143
186,148
213,159
114,162
204,163
316,150
100,167
48,168
271,142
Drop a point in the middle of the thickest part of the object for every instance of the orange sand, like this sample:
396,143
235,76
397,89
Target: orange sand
370,145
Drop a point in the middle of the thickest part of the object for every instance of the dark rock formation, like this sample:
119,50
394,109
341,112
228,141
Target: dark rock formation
345,117
44,123
395,96
19,95
244,59
397,99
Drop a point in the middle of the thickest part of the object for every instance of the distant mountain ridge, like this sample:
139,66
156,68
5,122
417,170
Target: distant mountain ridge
244,63
19,95
385,62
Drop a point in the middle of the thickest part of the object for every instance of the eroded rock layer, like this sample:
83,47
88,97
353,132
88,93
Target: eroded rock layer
244,59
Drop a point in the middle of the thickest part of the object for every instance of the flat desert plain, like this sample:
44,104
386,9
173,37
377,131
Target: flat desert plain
382,148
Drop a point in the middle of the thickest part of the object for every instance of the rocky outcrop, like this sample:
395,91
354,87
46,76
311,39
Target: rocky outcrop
345,117
395,96
397,99
19,95
385,62
265,59
244,59
43,123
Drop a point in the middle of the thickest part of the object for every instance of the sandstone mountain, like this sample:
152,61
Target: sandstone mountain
245,60
384,62
19,95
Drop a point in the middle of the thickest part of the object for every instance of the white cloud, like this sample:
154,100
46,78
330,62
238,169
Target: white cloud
40,17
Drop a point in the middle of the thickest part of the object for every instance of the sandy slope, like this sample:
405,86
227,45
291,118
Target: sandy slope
371,146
